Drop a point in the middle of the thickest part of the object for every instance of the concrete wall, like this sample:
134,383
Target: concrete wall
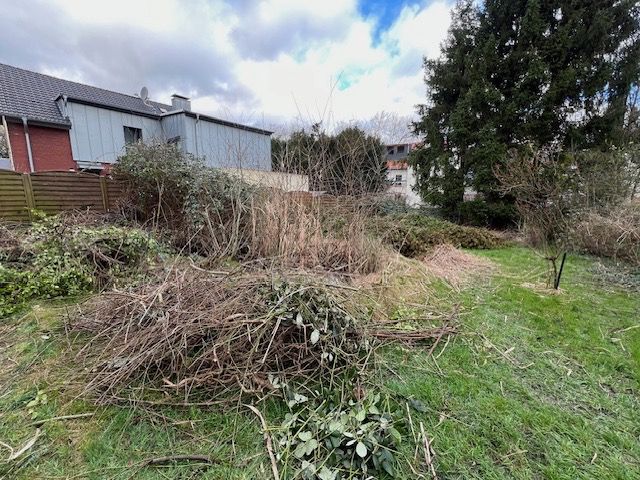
289,182
97,134
226,147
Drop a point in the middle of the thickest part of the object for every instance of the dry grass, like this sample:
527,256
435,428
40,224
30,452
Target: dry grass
456,267
294,235
615,234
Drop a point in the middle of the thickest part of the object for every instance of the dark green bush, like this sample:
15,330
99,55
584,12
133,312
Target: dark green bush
413,234
481,213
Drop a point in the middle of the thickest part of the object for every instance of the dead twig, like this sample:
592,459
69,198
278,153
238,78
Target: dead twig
63,417
27,446
413,336
429,453
176,458
267,440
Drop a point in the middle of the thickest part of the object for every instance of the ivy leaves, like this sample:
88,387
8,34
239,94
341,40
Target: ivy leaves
333,440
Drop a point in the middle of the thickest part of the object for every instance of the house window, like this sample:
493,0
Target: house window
400,149
390,150
132,135
398,178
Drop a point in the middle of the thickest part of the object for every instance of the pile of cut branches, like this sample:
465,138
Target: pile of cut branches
237,333
70,254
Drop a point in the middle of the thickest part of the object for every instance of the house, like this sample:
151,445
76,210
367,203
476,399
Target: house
400,175
52,124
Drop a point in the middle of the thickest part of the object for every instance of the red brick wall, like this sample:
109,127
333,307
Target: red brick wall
50,147
18,147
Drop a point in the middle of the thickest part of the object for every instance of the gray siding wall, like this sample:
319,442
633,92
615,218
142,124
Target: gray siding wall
97,134
226,147
174,126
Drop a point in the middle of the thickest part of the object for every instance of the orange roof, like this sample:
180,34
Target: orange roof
396,165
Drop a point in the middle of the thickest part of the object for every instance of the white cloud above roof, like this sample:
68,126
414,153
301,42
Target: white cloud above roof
261,61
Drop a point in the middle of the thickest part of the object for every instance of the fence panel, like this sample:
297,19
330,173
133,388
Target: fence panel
13,197
54,192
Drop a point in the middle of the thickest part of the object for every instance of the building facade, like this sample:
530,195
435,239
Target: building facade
54,124
400,175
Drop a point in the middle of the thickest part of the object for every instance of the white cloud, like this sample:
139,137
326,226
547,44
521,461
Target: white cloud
352,77
273,59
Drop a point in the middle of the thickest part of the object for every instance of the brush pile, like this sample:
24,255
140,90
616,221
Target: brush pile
69,254
246,333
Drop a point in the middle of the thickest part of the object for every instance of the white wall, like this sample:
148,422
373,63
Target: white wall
289,182
227,147
97,134
406,187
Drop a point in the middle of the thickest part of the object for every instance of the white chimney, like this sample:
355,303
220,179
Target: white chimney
180,102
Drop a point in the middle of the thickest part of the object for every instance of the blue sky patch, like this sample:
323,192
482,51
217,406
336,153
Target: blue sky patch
385,12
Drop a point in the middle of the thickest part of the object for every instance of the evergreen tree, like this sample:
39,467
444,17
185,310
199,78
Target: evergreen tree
514,72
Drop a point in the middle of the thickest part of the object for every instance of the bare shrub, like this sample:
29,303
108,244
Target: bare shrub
614,234
553,188
296,235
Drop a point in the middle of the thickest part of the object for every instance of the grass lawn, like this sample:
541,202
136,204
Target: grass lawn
536,385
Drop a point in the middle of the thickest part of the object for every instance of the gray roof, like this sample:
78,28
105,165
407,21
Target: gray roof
29,94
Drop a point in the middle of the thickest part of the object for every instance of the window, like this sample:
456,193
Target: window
400,149
398,178
390,150
132,135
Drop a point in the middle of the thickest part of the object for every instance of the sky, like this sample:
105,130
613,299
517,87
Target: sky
263,62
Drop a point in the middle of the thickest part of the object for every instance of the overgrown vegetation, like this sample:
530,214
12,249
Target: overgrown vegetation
297,315
415,235
205,211
197,208
67,255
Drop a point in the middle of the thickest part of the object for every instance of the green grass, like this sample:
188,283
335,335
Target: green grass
563,405
536,385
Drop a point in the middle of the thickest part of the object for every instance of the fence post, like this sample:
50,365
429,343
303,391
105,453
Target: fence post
28,192
105,193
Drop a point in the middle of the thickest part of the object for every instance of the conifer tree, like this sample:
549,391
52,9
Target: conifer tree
515,72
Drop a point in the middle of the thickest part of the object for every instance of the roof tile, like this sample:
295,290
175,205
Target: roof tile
24,93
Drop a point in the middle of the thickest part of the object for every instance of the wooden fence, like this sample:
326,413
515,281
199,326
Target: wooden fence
53,192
